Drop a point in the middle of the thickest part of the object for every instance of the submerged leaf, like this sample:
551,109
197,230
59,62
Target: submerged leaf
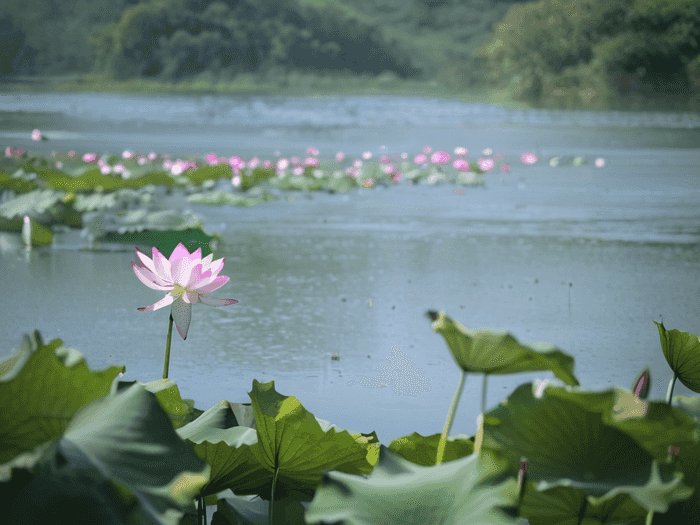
497,352
682,353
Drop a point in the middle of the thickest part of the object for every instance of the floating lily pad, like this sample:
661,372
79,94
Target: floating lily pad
498,352
399,491
41,388
682,353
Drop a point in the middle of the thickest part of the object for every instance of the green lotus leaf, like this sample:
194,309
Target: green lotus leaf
34,203
568,506
125,442
497,352
226,447
689,405
41,388
568,444
653,424
247,510
221,197
94,201
205,173
682,353
399,491
168,394
422,450
166,241
291,440
688,461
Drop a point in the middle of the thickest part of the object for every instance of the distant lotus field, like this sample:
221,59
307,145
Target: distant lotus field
115,197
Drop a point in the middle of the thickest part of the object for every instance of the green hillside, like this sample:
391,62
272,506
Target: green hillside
551,53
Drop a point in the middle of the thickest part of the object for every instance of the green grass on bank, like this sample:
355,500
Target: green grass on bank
294,85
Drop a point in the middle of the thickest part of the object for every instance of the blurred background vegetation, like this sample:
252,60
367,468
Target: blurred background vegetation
593,54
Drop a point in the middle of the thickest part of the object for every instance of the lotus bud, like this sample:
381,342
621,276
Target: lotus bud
641,385
27,232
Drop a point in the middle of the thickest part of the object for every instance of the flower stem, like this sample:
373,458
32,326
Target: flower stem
450,417
669,392
166,364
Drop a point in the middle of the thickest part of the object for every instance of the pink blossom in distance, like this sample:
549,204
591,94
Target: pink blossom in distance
484,163
90,157
461,165
339,157
186,277
36,135
420,159
599,162
311,161
528,158
461,151
440,157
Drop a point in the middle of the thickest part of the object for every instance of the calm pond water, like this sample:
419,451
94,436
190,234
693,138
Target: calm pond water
580,257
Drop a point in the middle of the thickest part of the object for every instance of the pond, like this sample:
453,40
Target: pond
577,256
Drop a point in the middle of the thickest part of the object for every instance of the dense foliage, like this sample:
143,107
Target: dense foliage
562,53
552,53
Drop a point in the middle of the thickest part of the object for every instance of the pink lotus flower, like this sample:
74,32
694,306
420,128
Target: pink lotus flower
311,151
90,157
528,158
461,151
599,162
420,159
339,157
36,135
253,163
311,161
461,165
440,157
484,163
186,277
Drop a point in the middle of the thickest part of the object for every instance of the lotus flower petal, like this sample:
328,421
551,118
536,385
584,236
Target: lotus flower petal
162,265
165,301
182,313
215,284
217,302
149,279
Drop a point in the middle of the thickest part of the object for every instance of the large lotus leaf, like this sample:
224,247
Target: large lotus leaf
688,461
291,441
568,506
41,388
227,449
94,201
245,510
689,405
496,352
168,394
205,173
69,490
399,491
166,241
422,450
682,353
128,438
568,444
35,203
653,424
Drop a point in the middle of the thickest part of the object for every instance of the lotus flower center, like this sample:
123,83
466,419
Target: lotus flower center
178,291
